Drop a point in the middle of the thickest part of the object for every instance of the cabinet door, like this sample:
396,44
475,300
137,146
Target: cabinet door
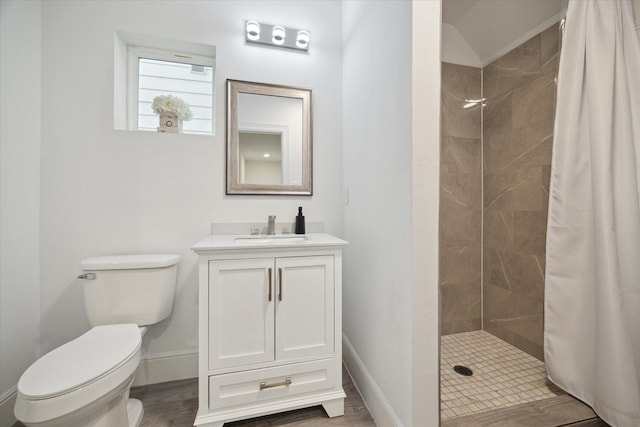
305,306
241,310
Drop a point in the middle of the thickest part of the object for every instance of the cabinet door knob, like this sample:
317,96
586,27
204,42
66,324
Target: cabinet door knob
279,284
270,295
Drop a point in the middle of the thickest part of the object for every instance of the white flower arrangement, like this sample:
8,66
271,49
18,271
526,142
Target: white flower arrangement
172,104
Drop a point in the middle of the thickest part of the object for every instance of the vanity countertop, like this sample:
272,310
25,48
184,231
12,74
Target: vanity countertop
262,241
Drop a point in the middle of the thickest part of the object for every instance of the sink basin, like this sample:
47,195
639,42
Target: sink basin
250,240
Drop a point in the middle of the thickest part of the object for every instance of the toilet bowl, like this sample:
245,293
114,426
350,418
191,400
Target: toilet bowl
83,382
86,382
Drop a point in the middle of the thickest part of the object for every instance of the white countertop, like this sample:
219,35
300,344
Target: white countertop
246,241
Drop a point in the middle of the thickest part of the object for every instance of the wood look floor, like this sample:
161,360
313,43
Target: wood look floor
552,412
174,404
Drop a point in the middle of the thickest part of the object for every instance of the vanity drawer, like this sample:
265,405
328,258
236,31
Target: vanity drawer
260,385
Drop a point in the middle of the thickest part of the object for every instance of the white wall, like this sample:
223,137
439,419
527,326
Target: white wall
377,220
494,27
456,50
425,190
108,191
391,105
19,194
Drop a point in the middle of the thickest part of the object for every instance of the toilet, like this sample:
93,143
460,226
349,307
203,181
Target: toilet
86,382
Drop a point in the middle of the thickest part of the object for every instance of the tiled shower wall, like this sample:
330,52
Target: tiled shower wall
517,135
460,200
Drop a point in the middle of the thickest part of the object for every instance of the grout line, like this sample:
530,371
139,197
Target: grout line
482,198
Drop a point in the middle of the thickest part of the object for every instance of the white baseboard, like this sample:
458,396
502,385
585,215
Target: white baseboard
7,402
377,403
163,367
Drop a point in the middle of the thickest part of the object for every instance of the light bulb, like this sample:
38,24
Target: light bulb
302,41
278,35
253,30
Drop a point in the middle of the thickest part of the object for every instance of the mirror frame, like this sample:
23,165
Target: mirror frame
234,88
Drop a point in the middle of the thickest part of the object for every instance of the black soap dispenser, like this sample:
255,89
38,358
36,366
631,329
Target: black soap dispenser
300,221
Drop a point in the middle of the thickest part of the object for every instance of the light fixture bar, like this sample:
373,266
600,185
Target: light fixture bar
277,35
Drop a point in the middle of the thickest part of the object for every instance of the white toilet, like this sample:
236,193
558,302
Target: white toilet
85,382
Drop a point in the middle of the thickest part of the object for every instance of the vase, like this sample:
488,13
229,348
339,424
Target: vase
170,123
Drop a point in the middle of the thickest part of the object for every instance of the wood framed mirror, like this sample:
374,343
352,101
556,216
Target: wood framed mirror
269,139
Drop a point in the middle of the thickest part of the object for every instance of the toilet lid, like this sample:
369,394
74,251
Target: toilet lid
81,361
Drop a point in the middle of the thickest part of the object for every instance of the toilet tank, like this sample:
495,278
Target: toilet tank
129,288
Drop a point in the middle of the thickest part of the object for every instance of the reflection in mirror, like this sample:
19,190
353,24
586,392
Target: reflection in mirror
260,158
268,139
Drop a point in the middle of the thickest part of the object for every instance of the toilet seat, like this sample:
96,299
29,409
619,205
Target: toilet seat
78,372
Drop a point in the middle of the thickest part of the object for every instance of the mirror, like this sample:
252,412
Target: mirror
268,139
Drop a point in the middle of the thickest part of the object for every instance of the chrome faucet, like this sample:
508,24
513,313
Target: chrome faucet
271,228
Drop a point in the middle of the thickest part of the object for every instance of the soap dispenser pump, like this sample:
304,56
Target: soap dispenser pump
300,222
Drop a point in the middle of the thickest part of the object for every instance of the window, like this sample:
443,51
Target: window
154,72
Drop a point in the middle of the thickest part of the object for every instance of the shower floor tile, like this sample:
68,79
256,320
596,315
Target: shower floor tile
503,375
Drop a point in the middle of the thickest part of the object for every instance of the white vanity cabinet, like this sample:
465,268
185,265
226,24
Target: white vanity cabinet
270,326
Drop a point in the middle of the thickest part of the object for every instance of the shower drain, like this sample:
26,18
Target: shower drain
463,370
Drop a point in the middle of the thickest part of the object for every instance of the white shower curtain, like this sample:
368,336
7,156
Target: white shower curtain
592,294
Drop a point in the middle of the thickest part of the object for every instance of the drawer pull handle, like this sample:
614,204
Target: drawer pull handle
287,381
280,283
270,296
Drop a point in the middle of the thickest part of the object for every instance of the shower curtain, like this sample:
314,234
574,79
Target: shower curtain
592,293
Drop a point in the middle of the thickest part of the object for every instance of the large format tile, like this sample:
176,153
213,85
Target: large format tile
461,123
460,199
517,149
461,156
529,232
502,304
462,191
515,190
533,103
461,82
497,115
460,302
460,227
514,69
460,265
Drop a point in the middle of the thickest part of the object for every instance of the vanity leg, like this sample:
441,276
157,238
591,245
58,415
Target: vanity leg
334,408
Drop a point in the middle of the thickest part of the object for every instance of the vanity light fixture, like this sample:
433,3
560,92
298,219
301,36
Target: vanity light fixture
277,35
266,155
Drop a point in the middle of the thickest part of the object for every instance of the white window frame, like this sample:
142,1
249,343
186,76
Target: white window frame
134,53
